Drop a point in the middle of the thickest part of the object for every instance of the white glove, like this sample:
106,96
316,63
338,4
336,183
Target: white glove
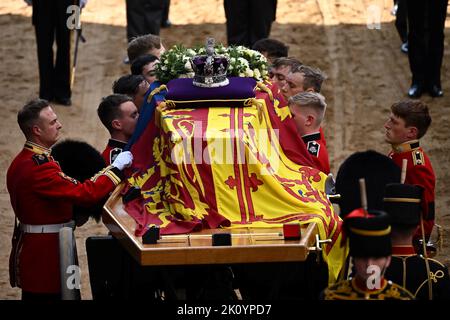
29,2
330,184
123,160
82,3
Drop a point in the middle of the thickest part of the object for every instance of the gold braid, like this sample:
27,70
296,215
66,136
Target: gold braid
427,264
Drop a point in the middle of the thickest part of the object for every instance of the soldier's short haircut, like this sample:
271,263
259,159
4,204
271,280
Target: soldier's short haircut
313,100
142,45
29,114
109,109
139,63
273,48
286,62
128,84
414,113
313,77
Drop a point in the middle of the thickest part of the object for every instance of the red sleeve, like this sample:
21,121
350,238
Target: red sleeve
423,176
49,181
106,155
323,157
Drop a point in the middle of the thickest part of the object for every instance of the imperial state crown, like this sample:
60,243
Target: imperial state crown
210,69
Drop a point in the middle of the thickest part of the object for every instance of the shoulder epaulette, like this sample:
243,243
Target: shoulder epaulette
340,291
418,158
396,291
40,159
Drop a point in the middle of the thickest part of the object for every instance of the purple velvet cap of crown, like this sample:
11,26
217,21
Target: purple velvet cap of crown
186,95
200,61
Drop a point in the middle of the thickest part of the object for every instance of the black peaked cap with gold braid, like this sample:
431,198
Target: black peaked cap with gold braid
402,202
370,236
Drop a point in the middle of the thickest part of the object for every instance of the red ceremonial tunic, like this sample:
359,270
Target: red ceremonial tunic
418,172
322,134
42,194
316,146
113,148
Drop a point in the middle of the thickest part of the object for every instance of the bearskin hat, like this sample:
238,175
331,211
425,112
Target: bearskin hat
377,170
81,161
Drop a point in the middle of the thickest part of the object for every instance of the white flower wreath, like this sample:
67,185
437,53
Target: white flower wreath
243,62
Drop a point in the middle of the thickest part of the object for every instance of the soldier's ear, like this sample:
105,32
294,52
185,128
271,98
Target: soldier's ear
310,120
35,130
412,132
116,124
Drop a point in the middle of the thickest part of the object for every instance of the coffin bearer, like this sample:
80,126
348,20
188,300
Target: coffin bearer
308,111
119,115
42,197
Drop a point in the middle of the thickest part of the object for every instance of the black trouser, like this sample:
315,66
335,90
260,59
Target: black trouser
144,17
50,22
426,22
249,20
165,15
32,296
401,20
282,280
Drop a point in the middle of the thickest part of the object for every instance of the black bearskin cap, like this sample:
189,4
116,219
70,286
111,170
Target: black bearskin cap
377,169
81,161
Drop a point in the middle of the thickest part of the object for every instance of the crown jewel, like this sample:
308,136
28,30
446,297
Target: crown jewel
210,69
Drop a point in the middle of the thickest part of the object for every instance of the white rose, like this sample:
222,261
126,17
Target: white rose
166,62
241,74
256,73
243,62
190,74
163,68
188,66
248,73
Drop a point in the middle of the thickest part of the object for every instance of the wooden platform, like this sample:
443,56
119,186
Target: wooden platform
249,245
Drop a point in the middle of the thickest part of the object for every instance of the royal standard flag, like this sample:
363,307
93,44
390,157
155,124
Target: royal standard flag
224,167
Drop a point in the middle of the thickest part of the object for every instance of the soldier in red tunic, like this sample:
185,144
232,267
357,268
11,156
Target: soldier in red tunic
308,110
302,78
42,197
119,115
280,68
407,123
